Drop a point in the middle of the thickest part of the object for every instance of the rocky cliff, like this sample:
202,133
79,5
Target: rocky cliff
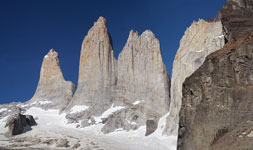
97,73
142,84
199,40
216,111
132,89
52,90
237,15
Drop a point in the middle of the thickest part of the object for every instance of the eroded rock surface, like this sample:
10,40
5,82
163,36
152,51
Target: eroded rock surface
129,91
199,40
52,90
97,71
142,83
217,104
217,98
17,123
237,18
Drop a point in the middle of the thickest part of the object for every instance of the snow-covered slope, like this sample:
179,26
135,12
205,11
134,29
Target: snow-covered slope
53,132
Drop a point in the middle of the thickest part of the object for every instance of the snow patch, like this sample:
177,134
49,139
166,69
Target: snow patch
132,123
136,102
44,102
54,125
161,126
3,109
39,102
107,113
77,109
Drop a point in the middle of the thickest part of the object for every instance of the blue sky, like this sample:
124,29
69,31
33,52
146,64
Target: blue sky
29,28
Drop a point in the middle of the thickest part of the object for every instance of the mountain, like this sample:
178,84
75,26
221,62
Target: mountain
52,90
126,87
216,111
128,97
130,103
200,39
142,85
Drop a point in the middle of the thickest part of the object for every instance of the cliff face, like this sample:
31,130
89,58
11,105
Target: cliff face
132,89
52,90
216,111
97,74
199,40
237,15
142,84
217,98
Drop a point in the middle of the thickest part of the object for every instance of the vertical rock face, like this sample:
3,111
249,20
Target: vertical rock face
217,98
52,89
237,15
142,83
97,62
124,93
97,72
199,40
216,112
142,75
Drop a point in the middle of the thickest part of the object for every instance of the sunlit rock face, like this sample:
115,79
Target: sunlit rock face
97,73
52,90
142,83
199,40
133,89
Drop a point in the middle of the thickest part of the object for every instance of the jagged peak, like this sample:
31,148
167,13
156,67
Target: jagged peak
51,54
147,34
133,35
100,23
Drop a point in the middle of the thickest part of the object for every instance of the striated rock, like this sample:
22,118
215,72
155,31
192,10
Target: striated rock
237,15
97,71
199,40
52,90
238,138
217,99
129,91
142,83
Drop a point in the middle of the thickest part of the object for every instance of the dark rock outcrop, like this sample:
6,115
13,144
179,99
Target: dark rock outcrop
237,18
16,124
216,111
217,98
151,126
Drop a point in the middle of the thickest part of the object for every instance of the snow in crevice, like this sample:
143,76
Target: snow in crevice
107,113
3,109
136,102
77,109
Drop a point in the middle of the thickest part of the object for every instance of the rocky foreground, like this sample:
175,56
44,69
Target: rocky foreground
217,101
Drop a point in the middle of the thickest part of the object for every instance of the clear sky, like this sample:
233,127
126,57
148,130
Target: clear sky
29,28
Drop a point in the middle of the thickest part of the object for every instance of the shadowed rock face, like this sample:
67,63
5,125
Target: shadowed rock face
217,97
237,18
216,111
16,124
199,40
52,90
